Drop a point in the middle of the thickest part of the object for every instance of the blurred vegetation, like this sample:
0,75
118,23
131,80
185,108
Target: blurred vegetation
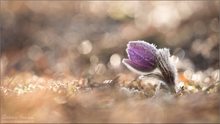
71,46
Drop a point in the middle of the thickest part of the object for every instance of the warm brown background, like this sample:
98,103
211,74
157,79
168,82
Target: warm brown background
84,42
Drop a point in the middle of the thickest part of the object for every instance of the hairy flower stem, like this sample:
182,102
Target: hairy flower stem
167,69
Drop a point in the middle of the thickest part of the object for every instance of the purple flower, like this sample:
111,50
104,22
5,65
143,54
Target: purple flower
141,56
144,57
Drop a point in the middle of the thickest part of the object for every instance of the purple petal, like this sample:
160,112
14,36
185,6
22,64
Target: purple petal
139,60
146,50
142,56
132,66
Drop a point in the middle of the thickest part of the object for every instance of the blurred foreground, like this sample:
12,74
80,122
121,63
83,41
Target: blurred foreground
61,61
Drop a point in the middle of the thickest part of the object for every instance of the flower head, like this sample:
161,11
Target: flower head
144,57
141,56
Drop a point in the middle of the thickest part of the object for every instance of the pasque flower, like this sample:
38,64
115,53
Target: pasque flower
144,57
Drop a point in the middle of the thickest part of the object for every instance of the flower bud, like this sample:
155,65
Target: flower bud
141,56
144,57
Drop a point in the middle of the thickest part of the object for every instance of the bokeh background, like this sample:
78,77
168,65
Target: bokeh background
77,37
87,39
